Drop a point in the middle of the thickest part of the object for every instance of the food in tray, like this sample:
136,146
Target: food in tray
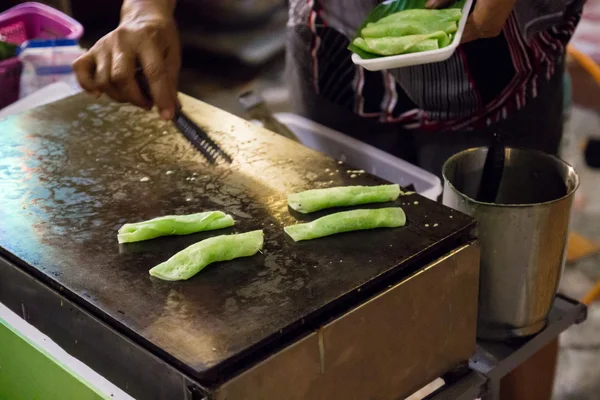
174,225
391,46
392,31
191,260
319,199
347,221
414,22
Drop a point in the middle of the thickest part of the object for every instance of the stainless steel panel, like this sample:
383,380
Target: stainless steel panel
386,348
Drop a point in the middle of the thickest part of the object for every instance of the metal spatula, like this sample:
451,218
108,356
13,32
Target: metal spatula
192,132
257,109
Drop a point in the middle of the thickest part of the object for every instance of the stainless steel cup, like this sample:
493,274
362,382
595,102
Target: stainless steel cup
523,235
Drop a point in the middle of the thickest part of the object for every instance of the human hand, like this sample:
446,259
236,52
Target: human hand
487,19
147,36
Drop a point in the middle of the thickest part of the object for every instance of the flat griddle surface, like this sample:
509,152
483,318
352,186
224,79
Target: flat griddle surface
73,172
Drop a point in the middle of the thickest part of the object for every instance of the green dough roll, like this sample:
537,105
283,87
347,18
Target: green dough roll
193,259
174,225
390,46
407,28
347,221
319,199
425,45
422,16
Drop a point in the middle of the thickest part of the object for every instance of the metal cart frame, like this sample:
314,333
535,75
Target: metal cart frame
495,360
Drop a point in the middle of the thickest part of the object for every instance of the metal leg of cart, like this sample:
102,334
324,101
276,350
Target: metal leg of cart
495,360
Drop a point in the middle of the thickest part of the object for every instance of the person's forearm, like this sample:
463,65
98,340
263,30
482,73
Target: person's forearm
138,8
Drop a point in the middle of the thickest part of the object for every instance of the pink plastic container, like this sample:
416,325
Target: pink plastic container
25,22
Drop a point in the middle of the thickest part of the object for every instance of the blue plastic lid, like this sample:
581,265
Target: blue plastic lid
44,43
54,70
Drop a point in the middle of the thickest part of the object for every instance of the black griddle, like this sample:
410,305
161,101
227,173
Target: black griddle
71,173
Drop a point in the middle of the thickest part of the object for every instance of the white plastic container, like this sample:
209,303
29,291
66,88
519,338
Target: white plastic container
46,62
361,155
425,57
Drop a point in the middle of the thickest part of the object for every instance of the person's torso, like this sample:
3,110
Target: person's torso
483,82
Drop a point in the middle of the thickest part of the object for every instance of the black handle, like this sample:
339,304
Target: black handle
142,82
200,139
493,169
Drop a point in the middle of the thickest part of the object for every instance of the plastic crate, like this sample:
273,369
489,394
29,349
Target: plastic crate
361,155
25,22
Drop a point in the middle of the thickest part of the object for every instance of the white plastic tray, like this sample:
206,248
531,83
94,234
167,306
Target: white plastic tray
425,57
361,155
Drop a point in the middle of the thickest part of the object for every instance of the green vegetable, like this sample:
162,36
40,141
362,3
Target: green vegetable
7,50
193,259
347,221
412,14
389,46
318,199
174,225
